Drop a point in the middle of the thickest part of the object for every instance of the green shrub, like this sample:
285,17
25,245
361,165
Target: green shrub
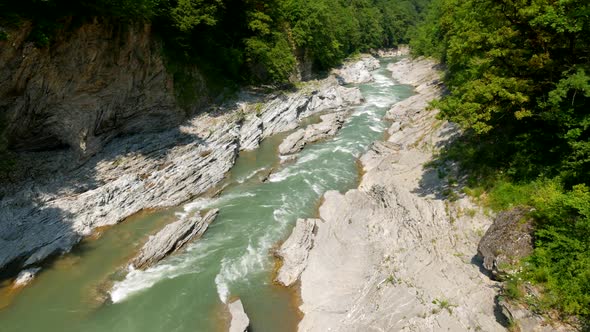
560,263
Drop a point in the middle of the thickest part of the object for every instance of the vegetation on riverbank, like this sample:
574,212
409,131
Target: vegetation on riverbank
243,41
519,85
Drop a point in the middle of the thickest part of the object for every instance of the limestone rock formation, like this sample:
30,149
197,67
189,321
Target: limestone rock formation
389,53
44,217
357,72
239,320
392,255
328,127
295,250
415,72
507,241
172,238
251,132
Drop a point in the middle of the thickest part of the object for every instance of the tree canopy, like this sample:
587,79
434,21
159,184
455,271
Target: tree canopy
519,84
245,40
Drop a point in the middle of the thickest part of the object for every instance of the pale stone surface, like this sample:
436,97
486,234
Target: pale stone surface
26,276
295,250
388,253
251,132
239,319
330,95
172,238
402,50
358,71
330,125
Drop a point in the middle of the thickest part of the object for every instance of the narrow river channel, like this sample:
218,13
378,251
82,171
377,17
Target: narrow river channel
186,291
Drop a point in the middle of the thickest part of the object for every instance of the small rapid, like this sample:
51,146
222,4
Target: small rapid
258,206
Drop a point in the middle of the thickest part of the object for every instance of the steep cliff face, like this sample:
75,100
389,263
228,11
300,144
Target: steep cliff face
94,82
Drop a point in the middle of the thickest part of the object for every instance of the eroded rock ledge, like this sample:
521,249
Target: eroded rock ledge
356,72
392,255
295,250
50,214
328,127
172,238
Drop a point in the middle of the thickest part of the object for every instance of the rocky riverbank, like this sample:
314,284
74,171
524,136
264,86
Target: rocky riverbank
395,254
43,217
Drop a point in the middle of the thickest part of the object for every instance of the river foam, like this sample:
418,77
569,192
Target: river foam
255,216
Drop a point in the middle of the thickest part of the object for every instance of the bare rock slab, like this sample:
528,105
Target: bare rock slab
330,125
357,72
295,251
173,237
239,319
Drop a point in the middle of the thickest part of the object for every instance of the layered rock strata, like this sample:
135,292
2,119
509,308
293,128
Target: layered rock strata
172,238
329,126
50,213
294,252
93,82
394,255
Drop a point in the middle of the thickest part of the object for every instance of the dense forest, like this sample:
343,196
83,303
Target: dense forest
243,41
231,42
519,85
518,79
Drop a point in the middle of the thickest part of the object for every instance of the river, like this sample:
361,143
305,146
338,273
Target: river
187,291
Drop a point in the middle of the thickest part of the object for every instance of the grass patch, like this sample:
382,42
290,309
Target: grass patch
444,304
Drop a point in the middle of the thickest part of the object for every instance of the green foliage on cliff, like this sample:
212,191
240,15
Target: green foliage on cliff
245,40
519,85
560,264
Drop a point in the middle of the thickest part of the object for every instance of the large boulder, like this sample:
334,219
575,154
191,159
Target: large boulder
507,241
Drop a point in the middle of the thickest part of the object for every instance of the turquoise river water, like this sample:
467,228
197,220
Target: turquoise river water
91,290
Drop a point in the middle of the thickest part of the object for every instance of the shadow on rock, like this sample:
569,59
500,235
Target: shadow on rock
56,199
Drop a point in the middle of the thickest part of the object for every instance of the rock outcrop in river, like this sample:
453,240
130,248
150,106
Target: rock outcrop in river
328,127
393,255
295,250
239,320
61,202
358,71
172,238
